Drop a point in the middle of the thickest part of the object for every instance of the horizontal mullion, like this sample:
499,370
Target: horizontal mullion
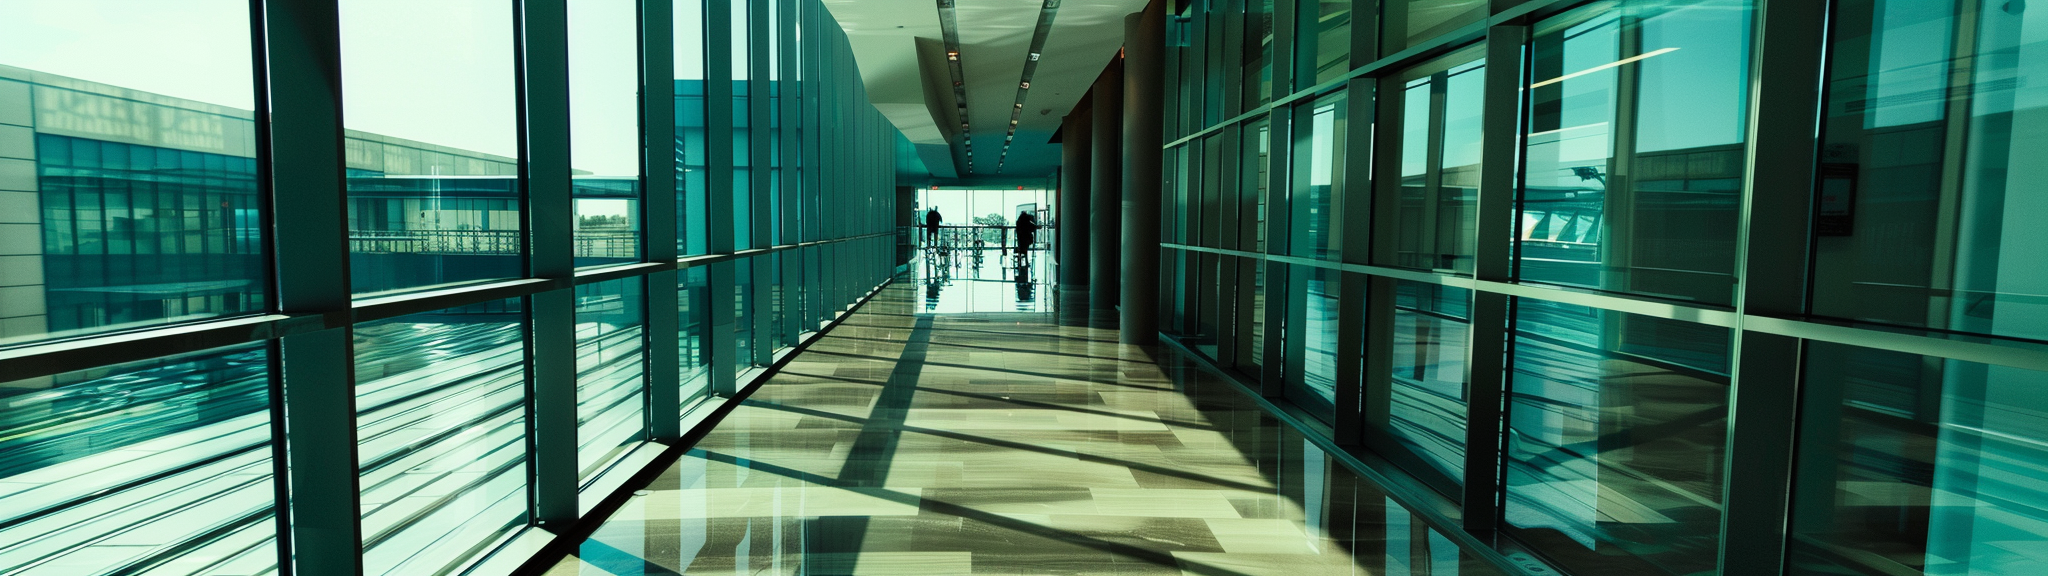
1979,349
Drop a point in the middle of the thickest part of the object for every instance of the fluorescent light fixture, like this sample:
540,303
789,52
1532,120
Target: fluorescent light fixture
1603,67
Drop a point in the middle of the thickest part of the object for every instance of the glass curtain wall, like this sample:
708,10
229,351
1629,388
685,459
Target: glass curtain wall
1559,266
484,337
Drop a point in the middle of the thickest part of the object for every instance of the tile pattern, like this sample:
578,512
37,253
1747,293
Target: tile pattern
1003,443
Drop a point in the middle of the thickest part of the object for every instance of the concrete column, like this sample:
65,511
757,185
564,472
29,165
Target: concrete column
1073,204
1144,77
1106,177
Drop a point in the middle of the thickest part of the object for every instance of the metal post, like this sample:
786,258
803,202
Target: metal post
300,156
1787,69
544,174
718,177
658,203
1485,359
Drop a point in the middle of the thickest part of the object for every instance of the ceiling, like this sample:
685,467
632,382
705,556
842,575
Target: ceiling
995,39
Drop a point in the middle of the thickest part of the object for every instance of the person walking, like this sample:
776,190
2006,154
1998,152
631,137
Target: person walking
931,227
1027,233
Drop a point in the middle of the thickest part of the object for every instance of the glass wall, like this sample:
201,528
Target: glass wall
441,432
117,213
383,309
1621,287
611,370
434,195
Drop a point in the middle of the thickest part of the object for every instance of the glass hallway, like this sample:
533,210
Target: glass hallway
999,442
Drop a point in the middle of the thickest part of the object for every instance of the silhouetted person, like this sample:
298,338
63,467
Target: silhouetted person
931,226
1027,232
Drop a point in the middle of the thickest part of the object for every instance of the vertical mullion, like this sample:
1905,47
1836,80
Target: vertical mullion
1357,319
1485,362
544,173
301,158
658,198
760,111
790,147
1786,74
718,177
1279,173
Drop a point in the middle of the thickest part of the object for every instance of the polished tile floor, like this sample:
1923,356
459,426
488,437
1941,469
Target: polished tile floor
909,442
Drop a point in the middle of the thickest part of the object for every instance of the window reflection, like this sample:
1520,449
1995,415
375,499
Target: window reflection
1636,148
433,169
1312,339
1411,22
1616,432
604,130
1915,464
1327,45
178,449
1930,199
692,188
693,321
610,371
128,193
441,432
1319,177
1439,180
1427,413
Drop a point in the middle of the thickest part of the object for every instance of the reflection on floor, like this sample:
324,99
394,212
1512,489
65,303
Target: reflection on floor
1001,443
989,280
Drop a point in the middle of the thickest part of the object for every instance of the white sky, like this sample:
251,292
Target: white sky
437,71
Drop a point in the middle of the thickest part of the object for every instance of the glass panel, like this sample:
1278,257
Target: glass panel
692,201
1312,340
611,325
1326,39
693,318
137,466
127,191
604,129
1636,148
1427,414
1919,465
1411,22
1319,173
1440,137
433,167
1930,199
441,427
1616,431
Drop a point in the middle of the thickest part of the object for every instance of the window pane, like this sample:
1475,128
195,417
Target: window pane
1427,415
693,320
1440,135
120,469
441,427
433,146
128,189
1930,203
1914,464
1312,339
742,336
1616,431
1326,34
1636,146
1411,22
1319,179
604,129
611,325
